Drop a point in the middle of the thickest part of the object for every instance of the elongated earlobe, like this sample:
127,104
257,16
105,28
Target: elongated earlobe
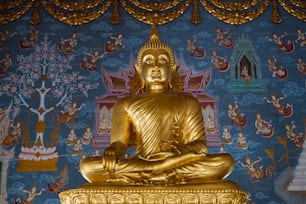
142,83
170,83
139,73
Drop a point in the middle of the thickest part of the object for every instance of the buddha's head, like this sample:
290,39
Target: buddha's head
156,68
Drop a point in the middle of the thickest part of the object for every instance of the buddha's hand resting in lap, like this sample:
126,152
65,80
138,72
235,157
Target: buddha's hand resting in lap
112,155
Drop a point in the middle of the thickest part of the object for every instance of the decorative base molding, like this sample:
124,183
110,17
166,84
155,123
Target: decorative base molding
218,192
41,165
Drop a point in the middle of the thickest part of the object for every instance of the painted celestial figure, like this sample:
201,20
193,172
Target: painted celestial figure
113,44
60,182
256,172
30,40
301,38
31,194
4,36
293,134
236,116
286,110
68,45
282,43
5,64
277,70
224,38
68,116
301,66
90,61
264,127
219,62
194,48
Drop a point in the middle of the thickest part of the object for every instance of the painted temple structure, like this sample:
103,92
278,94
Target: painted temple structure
245,71
118,87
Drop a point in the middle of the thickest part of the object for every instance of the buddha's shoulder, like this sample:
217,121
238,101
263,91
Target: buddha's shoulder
184,96
126,100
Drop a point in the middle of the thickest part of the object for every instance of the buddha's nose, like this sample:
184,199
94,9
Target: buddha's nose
155,68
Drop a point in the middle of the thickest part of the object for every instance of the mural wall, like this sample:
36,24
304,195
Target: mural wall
59,84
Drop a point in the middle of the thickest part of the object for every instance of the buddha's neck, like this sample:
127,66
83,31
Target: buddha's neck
157,89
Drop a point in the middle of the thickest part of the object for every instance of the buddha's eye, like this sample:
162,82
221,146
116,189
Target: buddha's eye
149,61
163,59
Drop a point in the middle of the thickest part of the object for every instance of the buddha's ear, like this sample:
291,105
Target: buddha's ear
174,68
139,75
138,69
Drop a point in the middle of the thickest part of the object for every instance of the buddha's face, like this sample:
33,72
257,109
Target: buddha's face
156,70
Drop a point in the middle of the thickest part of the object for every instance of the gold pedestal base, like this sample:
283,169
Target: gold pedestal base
219,192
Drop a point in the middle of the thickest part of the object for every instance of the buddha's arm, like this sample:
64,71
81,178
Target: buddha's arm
120,132
193,138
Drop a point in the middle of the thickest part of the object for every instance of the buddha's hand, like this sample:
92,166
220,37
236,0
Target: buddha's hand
112,155
170,146
109,159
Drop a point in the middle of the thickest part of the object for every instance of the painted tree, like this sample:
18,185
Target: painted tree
48,77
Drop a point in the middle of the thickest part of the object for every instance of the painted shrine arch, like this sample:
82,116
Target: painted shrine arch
248,66
246,72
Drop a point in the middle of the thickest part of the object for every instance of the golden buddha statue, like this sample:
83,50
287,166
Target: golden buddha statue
170,135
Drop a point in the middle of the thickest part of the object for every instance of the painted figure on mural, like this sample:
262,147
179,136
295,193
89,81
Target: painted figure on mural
5,64
224,38
222,149
90,61
195,49
256,172
30,195
219,62
71,137
4,36
87,136
104,125
235,115
171,143
293,134
282,43
301,66
60,182
226,135
68,45
13,136
301,38
245,72
68,116
242,143
97,153
30,40
114,43
77,147
263,127
210,124
277,69
285,110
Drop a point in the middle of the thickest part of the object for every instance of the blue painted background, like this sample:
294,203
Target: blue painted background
94,35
